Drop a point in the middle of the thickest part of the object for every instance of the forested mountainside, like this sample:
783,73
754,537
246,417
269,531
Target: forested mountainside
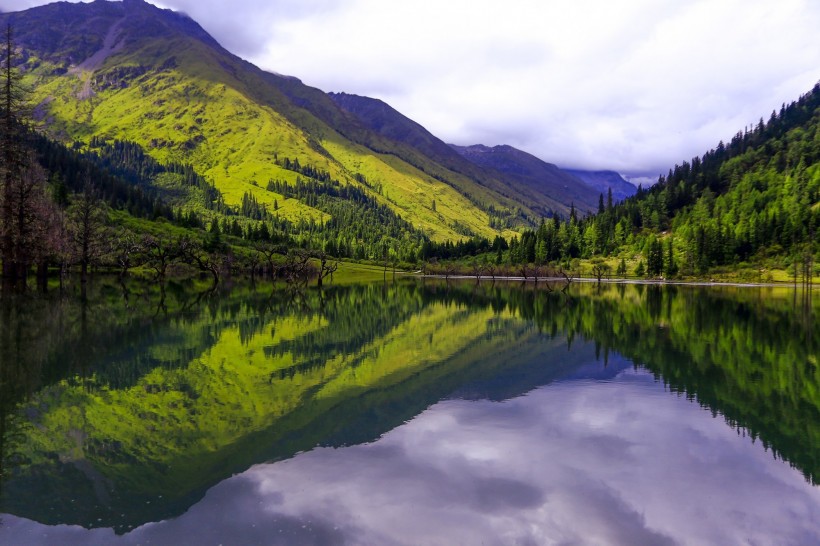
753,201
130,72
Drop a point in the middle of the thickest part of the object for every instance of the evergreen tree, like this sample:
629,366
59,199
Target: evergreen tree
671,264
213,241
13,162
621,271
654,257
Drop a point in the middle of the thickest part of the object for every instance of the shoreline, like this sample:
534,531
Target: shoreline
562,280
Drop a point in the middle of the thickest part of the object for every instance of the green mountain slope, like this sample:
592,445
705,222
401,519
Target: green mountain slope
130,71
548,189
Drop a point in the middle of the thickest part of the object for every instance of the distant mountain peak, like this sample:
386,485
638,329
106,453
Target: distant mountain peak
605,180
524,169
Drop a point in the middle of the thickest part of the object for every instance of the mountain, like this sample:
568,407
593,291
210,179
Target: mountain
548,190
108,72
528,171
603,181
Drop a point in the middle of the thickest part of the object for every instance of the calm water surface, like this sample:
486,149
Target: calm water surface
410,413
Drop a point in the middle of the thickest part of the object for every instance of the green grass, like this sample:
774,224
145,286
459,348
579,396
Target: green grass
352,272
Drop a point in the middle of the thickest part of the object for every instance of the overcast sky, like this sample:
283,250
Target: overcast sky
632,85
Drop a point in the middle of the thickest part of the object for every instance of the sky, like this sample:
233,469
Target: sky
634,85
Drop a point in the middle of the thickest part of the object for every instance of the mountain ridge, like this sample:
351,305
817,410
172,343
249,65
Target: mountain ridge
605,180
133,71
384,119
529,171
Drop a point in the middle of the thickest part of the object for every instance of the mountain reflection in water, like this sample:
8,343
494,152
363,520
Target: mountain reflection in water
426,413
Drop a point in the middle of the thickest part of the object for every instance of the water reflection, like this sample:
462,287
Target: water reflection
618,462
131,417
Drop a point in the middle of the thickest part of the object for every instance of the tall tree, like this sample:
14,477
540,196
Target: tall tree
13,159
654,257
35,226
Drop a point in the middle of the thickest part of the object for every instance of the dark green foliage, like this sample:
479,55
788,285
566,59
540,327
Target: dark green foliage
122,190
129,161
654,257
460,249
670,265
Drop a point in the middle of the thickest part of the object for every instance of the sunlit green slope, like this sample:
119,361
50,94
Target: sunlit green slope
130,71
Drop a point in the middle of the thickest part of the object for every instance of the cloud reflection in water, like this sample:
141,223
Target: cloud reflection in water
575,462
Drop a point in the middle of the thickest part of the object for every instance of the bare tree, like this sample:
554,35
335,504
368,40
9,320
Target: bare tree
50,243
87,220
298,268
325,268
569,276
269,251
35,221
126,250
160,252
204,260
492,270
449,270
477,269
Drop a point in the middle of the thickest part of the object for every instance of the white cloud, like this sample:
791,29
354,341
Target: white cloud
635,85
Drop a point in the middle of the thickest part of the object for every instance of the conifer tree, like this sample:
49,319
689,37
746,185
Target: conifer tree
13,160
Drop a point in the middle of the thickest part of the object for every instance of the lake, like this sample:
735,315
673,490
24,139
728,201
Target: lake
410,413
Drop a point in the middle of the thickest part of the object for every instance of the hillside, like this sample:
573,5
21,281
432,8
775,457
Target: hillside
747,207
527,171
752,199
542,185
128,71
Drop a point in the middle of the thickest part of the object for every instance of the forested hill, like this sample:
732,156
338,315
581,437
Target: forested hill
756,196
750,206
